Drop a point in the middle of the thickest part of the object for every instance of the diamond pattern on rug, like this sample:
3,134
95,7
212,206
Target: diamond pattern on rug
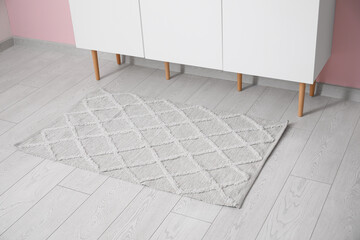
187,150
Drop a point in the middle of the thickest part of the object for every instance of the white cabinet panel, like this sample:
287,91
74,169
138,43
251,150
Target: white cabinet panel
183,31
108,25
274,38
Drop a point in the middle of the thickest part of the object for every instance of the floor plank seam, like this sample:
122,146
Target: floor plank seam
7,120
22,176
42,106
301,129
342,159
290,172
127,205
317,219
72,189
22,79
28,85
122,72
39,109
76,209
309,179
287,107
257,100
23,60
167,215
35,89
347,146
212,223
3,160
36,72
171,83
311,133
184,215
50,83
222,99
36,201
198,89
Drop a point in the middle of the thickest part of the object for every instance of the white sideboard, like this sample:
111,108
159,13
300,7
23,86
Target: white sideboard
277,38
183,31
283,39
108,25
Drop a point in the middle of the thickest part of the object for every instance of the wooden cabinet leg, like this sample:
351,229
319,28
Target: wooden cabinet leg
96,64
302,87
118,59
312,89
167,70
239,82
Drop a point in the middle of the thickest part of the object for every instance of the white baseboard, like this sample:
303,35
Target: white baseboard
323,89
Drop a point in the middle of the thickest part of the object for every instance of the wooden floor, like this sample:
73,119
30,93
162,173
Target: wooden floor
308,189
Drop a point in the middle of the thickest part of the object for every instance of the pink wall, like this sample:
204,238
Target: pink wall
50,20
343,68
41,19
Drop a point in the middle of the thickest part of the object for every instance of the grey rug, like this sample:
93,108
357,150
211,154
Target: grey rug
183,149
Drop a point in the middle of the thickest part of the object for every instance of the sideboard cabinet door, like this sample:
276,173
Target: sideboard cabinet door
183,31
277,38
108,25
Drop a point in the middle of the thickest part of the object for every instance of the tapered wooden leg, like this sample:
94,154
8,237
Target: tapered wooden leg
167,70
302,87
96,64
118,59
239,82
312,89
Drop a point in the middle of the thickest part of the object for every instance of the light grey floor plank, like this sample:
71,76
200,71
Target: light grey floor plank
98,212
10,52
40,97
83,181
15,76
15,167
313,109
340,217
55,108
197,209
63,65
13,95
5,153
324,151
154,84
15,57
211,93
47,215
5,126
179,227
272,104
29,190
131,77
245,223
240,102
143,216
183,88
296,210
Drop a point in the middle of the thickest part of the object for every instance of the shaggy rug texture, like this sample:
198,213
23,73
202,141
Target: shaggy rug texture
183,149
